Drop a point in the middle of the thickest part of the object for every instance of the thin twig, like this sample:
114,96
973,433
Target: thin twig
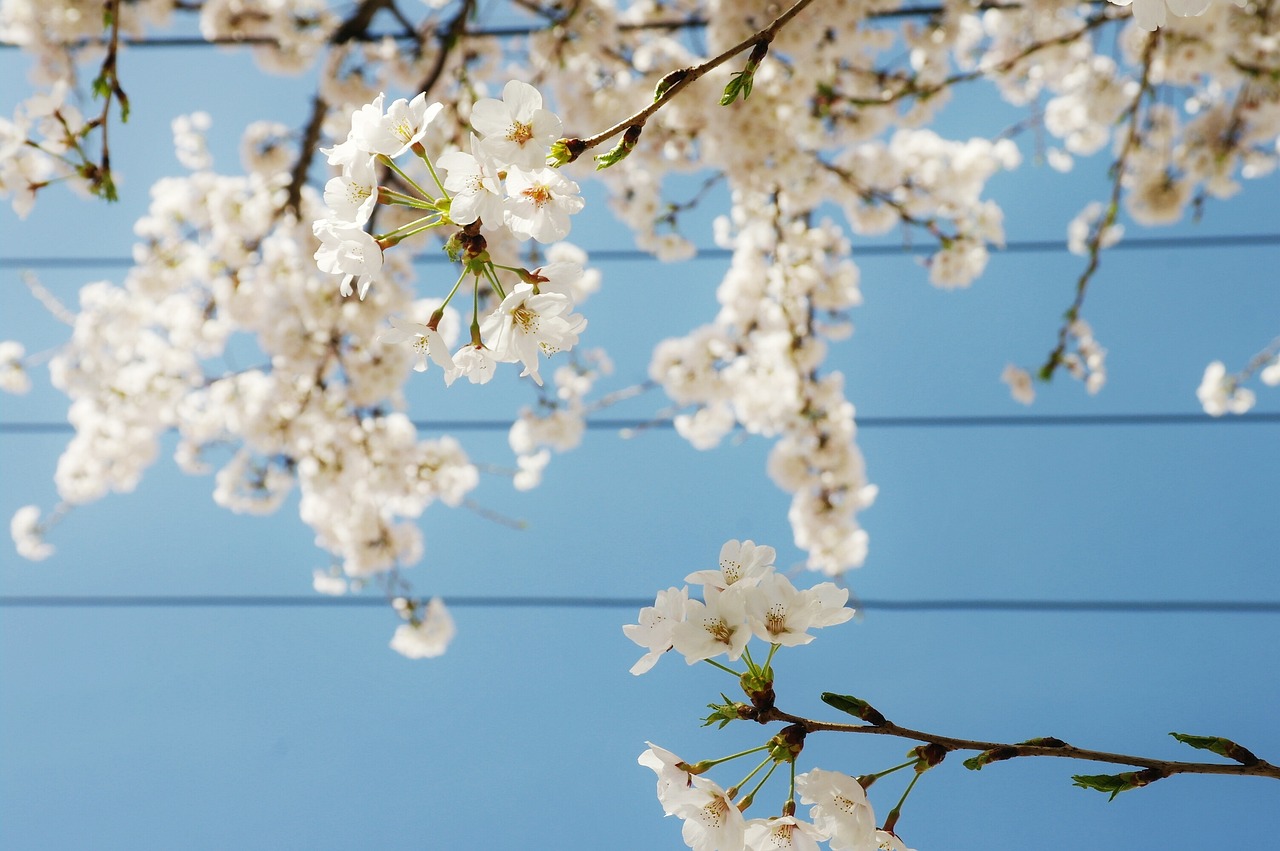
1108,218
683,77
1004,750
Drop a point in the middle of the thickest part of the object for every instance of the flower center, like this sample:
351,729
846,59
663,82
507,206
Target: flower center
719,630
421,345
520,133
525,318
775,620
538,194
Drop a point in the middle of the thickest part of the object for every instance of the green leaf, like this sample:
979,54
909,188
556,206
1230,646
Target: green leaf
739,83
975,763
1220,746
620,151
565,151
665,84
854,706
1117,783
723,713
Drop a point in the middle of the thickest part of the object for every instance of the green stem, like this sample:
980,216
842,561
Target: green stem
493,279
422,155
453,291
751,665
891,820
709,763
404,230
773,648
403,200
889,771
716,664
391,164
751,796
754,772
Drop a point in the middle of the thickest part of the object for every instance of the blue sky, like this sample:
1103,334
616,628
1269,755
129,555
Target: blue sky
298,728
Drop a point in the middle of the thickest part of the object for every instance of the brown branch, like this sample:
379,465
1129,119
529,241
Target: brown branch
681,78
1054,747
1108,219
306,150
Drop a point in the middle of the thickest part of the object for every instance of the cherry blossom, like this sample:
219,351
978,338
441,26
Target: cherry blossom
427,635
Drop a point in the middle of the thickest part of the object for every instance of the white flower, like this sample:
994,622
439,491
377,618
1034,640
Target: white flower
475,362
653,632
352,195
886,841
840,809
671,774
712,822
711,628
403,125
345,249
516,129
473,180
539,204
529,474
778,834
780,614
426,637
526,323
1270,374
327,582
13,376
1220,394
1021,388
28,534
424,340
741,563
1150,14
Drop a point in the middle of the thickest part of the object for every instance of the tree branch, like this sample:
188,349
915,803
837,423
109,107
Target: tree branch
1036,747
681,78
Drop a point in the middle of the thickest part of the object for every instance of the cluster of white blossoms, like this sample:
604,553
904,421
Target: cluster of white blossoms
742,597
1223,393
503,183
1153,14
836,120
839,813
789,285
745,597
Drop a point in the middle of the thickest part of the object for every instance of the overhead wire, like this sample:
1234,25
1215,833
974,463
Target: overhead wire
928,422
1027,246
297,601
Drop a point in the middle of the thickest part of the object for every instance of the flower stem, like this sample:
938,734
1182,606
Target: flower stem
453,291
716,664
891,820
391,164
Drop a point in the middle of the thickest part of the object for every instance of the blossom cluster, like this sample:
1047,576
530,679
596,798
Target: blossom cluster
743,596
839,814
503,183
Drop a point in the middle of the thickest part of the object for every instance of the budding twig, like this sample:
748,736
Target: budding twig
1034,747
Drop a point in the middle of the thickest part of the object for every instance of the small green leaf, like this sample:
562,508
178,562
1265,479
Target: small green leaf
665,84
854,706
565,151
620,151
1045,742
739,83
723,713
975,763
1220,746
1117,783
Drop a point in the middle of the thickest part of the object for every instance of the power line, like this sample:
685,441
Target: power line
1028,246
993,421
689,23
267,601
